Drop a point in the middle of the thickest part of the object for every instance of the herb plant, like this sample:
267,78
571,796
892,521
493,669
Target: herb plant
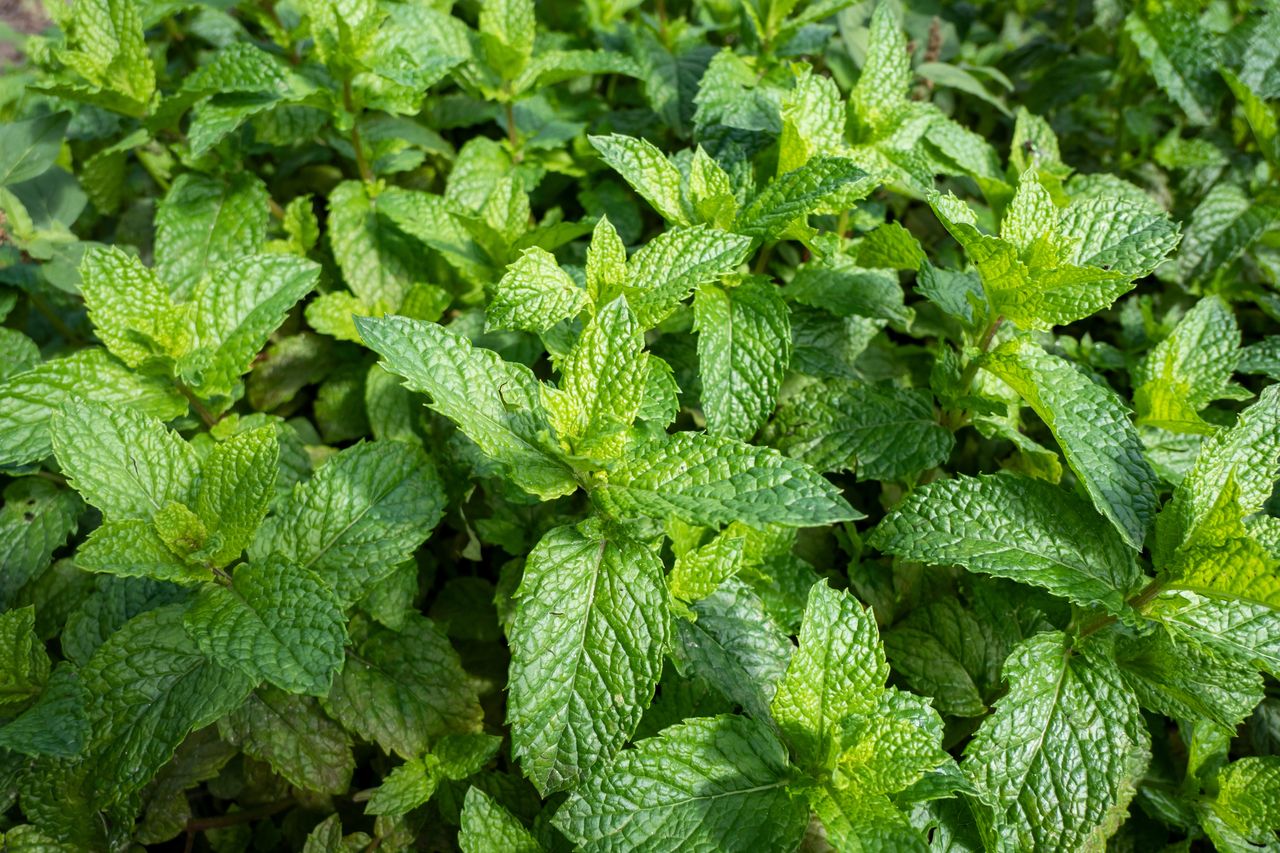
718,425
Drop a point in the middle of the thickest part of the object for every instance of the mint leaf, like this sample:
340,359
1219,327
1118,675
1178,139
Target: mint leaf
589,594
716,783
1067,723
669,267
1017,528
709,480
400,689
237,483
488,826
838,671
124,463
1091,425
364,512
494,402
647,170
203,222
292,735
33,397
277,621
534,294
744,348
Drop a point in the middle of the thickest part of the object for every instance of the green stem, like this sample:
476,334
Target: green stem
984,344
762,262
198,405
1137,602
349,101
513,135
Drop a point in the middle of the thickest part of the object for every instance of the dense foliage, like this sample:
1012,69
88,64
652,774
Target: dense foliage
706,425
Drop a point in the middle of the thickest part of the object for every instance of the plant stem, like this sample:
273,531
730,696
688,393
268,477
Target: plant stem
349,101
205,415
513,136
984,344
1137,602
201,824
46,310
762,262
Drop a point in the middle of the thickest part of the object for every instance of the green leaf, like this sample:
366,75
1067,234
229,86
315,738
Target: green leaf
879,431
126,464
1260,115
57,724
507,30
1117,235
24,663
534,294
602,384
35,520
203,222
1189,369
715,783
1245,457
947,653
647,170
839,671
454,757
1061,756
736,646
277,621
1178,53
1092,426
1173,674
586,650
854,822
710,481
150,688
1013,527
236,307
882,85
294,736
31,399
1224,224
798,193
744,349
487,826
494,402
108,49
135,548
28,148
378,262
131,310
1249,797
1241,631
400,689
364,512
670,266
697,573
237,484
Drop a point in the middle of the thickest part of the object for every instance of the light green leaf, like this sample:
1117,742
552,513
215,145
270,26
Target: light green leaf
1242,631
494,402
364,512
507,29
839,671
378,262
602,384
1092,426
1249,797
1189,369
534,294
1116,235
406,787
648,171
670,266
586,650
882,86
237,483
893,745
797,193
1226,222
838,287
28,401
126,464
699,572
879,431
294,736
277,621
1246,455
714,783
1061,756
108,49
24,663
1013,527
710,481
487,826
203,222
744,349
131,310
134,548
401,689
151,687
236,307
606,270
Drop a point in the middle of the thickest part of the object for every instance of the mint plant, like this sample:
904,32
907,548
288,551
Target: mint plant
744,426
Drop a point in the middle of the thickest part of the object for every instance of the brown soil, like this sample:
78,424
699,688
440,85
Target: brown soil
25,16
